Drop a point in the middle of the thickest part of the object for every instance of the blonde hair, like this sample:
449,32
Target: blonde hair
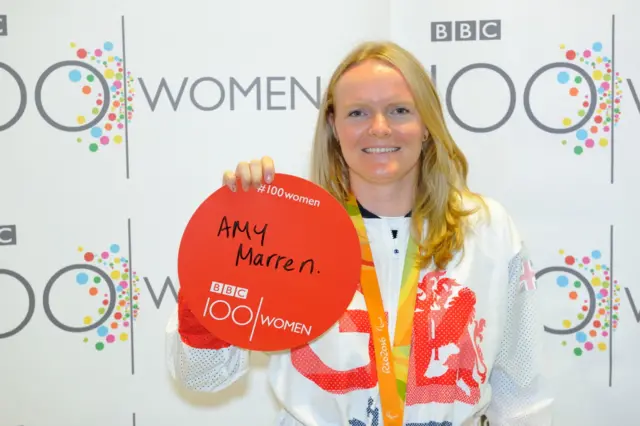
442,183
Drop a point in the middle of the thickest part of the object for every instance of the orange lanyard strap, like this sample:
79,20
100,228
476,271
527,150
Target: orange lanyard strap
392,361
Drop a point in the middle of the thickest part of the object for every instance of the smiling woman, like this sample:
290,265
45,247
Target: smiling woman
447,291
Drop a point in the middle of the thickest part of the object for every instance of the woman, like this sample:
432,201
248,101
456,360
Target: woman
465,334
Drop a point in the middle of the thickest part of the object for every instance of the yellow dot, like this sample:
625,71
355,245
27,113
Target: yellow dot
566,323
602,346
87,320
595,281
109,73
117,139
124,337
81,119
603,142
597,75
566,122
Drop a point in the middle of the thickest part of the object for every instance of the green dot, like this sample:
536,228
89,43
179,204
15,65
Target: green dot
581,113
577,351
99,346
578,150
93,147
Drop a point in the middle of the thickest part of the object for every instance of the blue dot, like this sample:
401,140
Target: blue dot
108,46
96,132
103,331
114,248
82,278
563,77
596,254
75,76
597,46
562,281
581,337
581,134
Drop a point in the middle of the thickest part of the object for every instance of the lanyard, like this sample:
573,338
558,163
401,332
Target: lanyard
392,361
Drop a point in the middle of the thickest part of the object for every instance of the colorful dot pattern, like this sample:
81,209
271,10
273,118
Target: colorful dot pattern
111,129
595,336
116,328
596,132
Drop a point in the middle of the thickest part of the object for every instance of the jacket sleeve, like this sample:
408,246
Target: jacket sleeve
198,360
519,393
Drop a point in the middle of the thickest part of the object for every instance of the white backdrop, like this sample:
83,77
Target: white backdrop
80,189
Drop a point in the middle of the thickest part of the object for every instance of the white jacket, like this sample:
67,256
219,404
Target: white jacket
485,361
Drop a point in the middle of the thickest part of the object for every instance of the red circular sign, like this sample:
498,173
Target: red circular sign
269,269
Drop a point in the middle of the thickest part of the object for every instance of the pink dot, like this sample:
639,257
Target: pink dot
586,260
111,338
105,255
98,52
118,84
104,140
587,53
588,346
589,144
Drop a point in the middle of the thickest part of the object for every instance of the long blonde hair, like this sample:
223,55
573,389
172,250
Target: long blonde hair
442,183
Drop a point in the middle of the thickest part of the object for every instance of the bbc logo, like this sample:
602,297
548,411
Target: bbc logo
229,290
466,30
8,235
3,25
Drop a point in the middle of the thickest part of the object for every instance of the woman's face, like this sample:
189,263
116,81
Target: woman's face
377,125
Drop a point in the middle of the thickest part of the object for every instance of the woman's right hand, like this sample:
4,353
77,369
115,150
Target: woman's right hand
251,174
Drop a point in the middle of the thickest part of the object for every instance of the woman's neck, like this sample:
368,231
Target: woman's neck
390,199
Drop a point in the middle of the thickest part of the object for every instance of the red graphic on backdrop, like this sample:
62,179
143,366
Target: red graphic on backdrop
454,353
436,364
